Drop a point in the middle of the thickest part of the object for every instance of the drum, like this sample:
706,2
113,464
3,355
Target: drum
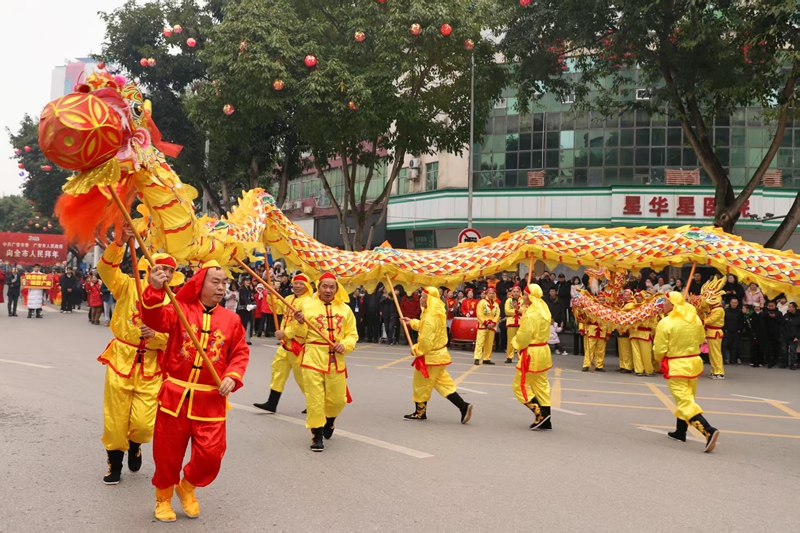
464,329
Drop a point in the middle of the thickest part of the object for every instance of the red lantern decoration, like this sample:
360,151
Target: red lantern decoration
446,30
27,148
143,61
469,44
177,28
353,106
278,85
524,3
167,32
243,47
101,65
228,109
151,62
381,1
47,168
21,166
191,42
310,61
45,228
79,131
359,36
416,29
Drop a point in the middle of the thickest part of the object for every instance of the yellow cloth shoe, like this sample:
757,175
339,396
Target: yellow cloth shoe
164,512
188,501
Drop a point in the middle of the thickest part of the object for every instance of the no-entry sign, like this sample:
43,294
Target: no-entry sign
469,235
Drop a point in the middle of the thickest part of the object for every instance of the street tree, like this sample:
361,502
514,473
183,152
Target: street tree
359,84
701,59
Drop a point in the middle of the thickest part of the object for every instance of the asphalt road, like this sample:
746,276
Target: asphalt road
607,466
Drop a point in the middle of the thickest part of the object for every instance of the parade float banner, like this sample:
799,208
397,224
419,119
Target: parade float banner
37,281
33,248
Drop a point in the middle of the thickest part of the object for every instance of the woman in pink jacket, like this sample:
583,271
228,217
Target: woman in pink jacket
753,296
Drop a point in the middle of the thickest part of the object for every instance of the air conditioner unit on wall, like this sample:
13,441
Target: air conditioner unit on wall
308,210
414,163
413,174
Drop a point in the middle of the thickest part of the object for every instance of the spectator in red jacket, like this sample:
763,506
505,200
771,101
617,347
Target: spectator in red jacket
411,309
94,297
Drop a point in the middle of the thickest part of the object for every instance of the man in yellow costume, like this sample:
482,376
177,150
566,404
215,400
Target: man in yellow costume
713,321
324,368
488,312
431,358
595,337
641,336
530,382
133,374
624,341
514,311
287,358
677,345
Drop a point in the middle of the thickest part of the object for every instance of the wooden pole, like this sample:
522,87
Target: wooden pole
530,271
271,299
691,275
399,313
289,306
178,310
135,262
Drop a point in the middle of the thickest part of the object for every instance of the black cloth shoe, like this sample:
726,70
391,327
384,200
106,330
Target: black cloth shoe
420,413
680,430
317,444
114,467
488,362
327,431
30,313
304,412
599,369
477,361
709,432
585,369
38,313
134,456
464,407
508,361
270,405
625,371
547,424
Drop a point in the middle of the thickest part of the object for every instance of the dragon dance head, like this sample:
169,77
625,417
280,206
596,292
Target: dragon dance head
710,294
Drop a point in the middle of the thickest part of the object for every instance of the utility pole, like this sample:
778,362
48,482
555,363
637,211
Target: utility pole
470,165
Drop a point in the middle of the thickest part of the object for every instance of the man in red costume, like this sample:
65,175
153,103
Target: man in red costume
190,403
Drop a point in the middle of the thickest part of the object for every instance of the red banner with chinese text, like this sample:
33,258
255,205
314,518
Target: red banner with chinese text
33,248
37,281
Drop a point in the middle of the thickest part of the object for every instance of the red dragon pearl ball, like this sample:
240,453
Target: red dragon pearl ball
416,29
278,85
446,30
310,61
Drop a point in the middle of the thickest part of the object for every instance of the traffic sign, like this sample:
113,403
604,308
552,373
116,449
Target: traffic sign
469,235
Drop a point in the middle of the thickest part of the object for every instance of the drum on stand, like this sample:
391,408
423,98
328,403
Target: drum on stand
464,331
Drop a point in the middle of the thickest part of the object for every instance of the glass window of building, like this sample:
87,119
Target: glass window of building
432,176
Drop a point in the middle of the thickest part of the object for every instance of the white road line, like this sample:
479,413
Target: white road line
9,361
472,390
662,432
757,398
560,410
354,436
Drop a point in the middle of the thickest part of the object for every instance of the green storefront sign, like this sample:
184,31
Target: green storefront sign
425,239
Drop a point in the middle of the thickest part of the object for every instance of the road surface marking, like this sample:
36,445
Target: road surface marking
751,433
460,378
346,434
757,398
9,361
560,410
406,358
785,409
472,390
660,432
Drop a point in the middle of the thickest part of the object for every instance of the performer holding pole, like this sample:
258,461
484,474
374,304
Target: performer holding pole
514,310
431,358
677,345
192,405
133,373
531,385
287,358
323,359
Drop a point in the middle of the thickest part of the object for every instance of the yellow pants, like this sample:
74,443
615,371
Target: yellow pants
538,387
283,362
439,379
129,409
326,396
594,348
484,344
715,356
625,353
683,391
642,356
511,332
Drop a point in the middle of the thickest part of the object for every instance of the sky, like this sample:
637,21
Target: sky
38,35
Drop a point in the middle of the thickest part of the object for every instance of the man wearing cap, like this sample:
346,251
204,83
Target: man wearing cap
431,358
191,404
677,345
531,386
469,304
488,313
287,358
324,367
641,338
514,311
133,375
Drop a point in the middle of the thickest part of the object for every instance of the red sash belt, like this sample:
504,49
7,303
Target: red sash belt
419,363
713,327
525,363
665,363
295,347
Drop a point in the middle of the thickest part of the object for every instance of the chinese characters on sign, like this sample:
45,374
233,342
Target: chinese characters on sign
633,205
662,205
37,281
658,205
30,248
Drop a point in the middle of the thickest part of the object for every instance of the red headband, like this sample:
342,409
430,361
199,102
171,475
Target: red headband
327,275
168,261
528,289
516,286
303,278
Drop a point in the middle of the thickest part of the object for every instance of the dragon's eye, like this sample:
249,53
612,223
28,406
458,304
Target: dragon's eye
136,109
